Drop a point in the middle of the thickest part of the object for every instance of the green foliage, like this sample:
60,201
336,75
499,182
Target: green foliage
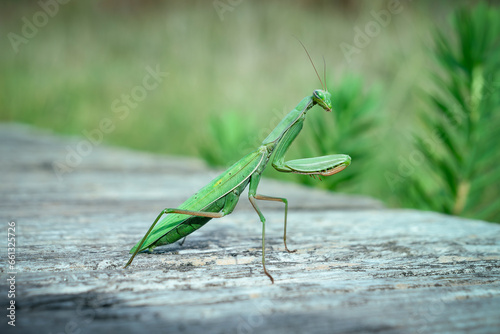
461,174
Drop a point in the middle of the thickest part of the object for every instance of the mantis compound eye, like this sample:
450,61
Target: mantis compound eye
319,94
323,98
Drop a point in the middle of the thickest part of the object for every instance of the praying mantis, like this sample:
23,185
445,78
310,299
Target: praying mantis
219,198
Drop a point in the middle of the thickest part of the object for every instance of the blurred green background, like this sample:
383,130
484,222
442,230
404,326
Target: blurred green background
414,84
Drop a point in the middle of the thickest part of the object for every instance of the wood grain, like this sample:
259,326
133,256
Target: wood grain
359,267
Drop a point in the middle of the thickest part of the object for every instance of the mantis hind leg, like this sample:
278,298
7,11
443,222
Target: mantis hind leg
230,201
173,210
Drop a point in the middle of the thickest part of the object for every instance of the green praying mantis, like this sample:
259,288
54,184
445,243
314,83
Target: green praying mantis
219,198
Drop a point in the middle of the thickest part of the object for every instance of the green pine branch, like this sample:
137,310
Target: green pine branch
465,113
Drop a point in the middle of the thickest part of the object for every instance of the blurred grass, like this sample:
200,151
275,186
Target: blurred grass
91,53
249,65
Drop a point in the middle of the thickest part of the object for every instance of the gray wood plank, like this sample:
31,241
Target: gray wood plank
359,267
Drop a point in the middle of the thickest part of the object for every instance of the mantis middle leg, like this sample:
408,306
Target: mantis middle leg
278,199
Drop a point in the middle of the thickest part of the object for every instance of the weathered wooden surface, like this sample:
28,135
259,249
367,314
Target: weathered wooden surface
358,267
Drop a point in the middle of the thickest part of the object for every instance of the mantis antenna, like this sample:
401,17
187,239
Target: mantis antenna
324,73
322,85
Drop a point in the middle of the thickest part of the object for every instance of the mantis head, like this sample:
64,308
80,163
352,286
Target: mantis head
323,98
